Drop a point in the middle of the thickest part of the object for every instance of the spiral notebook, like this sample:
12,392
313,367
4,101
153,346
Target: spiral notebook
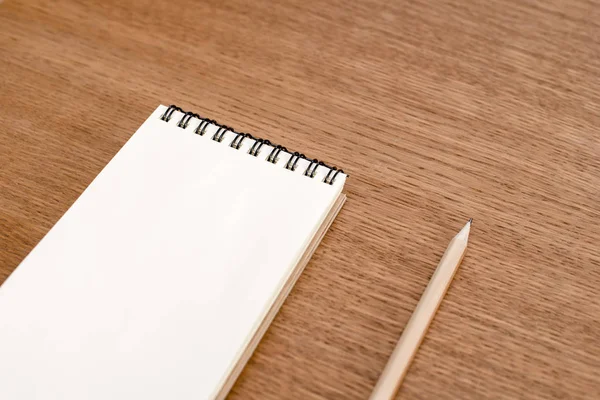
160,280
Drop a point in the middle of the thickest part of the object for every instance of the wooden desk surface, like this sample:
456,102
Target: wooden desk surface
440,111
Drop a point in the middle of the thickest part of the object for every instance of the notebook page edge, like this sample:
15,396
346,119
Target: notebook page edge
279,298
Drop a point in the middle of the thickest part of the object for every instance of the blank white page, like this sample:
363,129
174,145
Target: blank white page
151,284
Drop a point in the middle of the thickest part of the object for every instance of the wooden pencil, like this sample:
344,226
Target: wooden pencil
397,366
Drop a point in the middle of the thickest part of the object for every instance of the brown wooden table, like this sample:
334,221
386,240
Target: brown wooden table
440,111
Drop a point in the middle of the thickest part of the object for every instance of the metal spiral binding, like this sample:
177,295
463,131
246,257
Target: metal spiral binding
239,138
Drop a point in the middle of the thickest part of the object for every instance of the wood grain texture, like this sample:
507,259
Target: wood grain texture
439,111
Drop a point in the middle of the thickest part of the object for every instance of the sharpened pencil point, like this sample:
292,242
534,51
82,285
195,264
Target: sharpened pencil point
470,221
464,232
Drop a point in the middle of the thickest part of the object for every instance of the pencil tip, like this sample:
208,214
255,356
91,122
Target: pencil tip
464,232
470,221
